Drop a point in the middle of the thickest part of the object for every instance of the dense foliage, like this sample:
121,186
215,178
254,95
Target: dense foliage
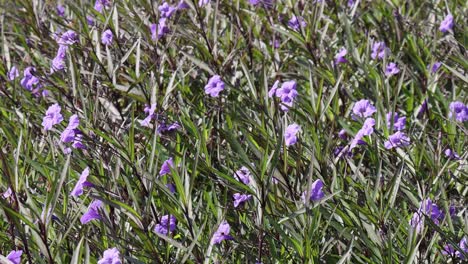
243,131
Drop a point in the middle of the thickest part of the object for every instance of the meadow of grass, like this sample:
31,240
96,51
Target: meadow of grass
233,131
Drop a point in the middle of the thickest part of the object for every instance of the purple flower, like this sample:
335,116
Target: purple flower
363,109
171,187
436,67
163,127
378,50
290,135
52,117
29,81
168,224
100,4
92,213
166,167
398,122
150,115
422,109
451,154
287,93
107,37
7,193
58,63
449,250
427,208
13,73
464,244
340,56
459,111
297,22
342,134
182,5
77,142
243,175
391,69
447,23
273,89
158,31
111,256
241,198
350,3
203,2
15,256
68,38
397,140
82,182
316,193
90,20
222,233
366,130
60,10
166,10
215,86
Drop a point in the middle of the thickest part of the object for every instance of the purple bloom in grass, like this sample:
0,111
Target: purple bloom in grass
82,182
254,2
68,38
215,86
203,2
297,22
166,167
111,256
243,175
107,37
447,23
101,4
52,117
13,73
391,69
58,63
29,81
273,89
290,135
77,142
150,115
92,213
350,3
427,208
397,140
449,250
166,10
366,130
171,187
363,109
222,233
15,256
168,224
287,93
378,50
459,111
241,198
161,29
342,134
340,56
452,210
182,5
316,193
90,20
464,244
7,193
60,10
435,67
163,127
422,109
398,122
451,154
